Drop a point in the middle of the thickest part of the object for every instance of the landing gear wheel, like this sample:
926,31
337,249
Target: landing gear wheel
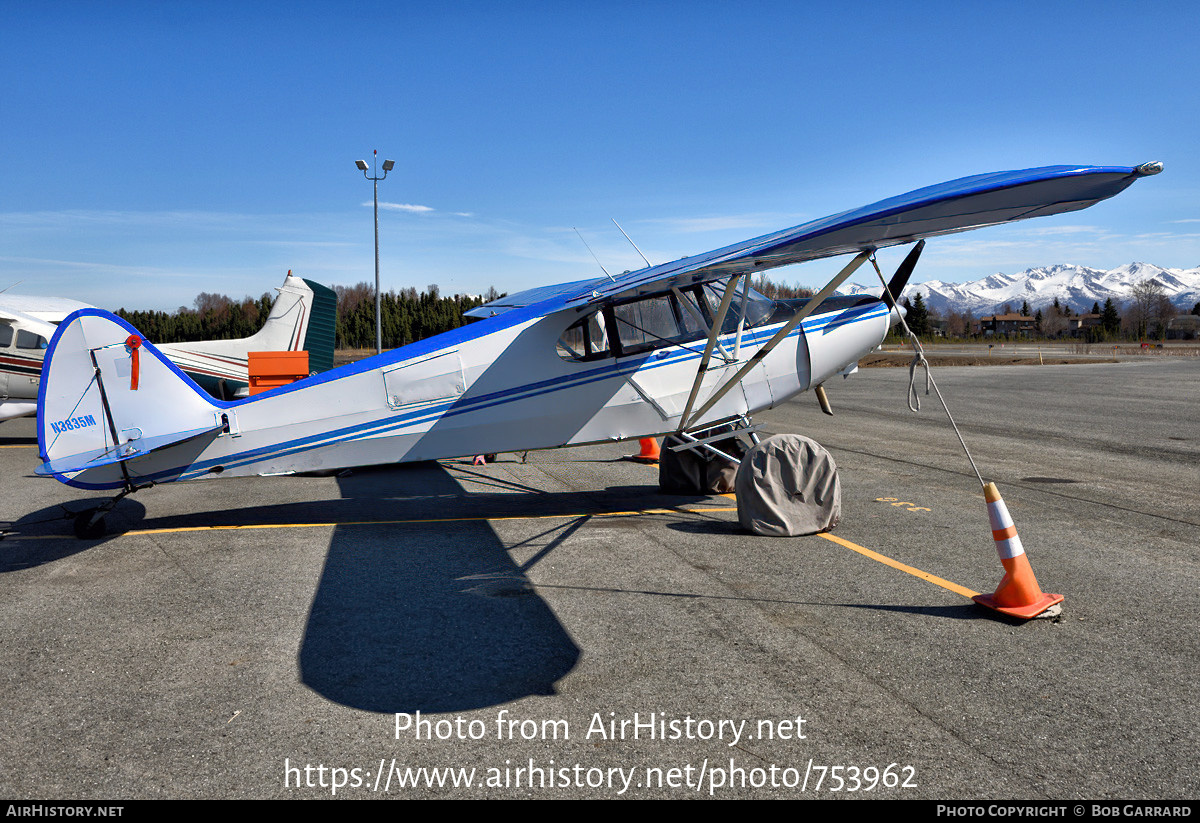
86,529
786,486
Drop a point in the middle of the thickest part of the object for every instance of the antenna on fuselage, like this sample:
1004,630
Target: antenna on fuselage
594,257
627,237
14,285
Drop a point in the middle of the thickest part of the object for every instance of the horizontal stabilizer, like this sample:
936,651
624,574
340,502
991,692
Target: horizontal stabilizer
129,450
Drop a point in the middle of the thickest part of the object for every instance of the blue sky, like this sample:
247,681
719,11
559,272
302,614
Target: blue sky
151,151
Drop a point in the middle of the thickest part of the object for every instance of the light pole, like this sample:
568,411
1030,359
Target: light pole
388,165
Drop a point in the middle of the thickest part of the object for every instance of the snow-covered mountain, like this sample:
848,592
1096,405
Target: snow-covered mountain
1075,286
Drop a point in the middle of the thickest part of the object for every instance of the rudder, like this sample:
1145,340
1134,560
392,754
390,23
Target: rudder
111,406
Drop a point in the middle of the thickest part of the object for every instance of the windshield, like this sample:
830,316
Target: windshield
759,308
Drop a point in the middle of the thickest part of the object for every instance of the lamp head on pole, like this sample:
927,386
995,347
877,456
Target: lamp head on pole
388,165
362,165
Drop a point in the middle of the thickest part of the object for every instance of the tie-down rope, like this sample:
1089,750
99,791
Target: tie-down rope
914,402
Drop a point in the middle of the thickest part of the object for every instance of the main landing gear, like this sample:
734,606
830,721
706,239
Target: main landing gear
786,485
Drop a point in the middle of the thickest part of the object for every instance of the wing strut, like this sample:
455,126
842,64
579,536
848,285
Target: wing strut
713,333
783,332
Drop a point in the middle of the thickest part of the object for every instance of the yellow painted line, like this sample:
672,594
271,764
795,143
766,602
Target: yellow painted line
896,564
17,446
331,524
875,556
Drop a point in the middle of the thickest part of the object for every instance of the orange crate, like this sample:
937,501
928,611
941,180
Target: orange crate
271,369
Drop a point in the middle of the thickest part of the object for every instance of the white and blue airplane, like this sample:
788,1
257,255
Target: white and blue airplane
674,348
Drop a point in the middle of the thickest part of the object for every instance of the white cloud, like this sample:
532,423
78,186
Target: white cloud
408,207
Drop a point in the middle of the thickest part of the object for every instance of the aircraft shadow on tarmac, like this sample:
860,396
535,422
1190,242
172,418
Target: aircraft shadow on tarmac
411,614
56,520
18,441
438,617
432,617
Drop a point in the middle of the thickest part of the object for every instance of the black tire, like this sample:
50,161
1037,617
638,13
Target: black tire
85,529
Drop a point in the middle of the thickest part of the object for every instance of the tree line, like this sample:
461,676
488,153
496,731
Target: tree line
212,317
407,316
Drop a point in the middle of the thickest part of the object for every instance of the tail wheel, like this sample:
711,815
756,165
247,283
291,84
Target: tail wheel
89,525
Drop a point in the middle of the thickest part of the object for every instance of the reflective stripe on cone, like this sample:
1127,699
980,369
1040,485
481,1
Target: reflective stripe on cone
1018,594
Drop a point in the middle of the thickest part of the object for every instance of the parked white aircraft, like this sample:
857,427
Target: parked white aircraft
302,317
674,348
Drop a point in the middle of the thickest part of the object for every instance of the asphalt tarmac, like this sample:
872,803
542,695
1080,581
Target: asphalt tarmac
563,630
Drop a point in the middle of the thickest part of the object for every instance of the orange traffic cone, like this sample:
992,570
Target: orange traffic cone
1018,594
649,453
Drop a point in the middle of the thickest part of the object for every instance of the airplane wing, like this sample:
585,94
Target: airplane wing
528,298
955,206
43,309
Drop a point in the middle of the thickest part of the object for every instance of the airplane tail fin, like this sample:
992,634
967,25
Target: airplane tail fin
302,317
319,338
113,411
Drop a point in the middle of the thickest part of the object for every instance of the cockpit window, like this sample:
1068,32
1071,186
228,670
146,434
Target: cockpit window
29,340
691,314
6,334
647,323
585,339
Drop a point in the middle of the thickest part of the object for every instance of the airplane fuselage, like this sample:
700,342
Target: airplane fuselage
499,385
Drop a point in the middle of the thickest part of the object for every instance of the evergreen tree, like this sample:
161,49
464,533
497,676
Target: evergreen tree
1110,319
918,316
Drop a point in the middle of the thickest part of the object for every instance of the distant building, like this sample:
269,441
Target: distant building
1080,324
1184,327
1014,325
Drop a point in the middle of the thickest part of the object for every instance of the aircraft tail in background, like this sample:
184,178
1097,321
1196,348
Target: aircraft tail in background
302,317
